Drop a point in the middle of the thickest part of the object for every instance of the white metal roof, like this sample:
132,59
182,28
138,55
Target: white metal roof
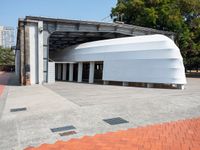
150,58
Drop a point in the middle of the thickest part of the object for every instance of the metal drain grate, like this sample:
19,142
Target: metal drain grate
62,128
115,121
18,109
67,133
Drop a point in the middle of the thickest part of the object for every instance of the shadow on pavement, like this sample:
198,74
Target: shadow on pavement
9,79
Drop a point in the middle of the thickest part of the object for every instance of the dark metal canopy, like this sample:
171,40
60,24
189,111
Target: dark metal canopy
61,40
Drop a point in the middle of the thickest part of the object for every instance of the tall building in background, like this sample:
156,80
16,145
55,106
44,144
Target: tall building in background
6,37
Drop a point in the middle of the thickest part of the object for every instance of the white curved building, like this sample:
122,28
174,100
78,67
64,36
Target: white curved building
146,59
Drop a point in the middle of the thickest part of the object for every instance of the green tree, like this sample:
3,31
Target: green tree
179,16
6,56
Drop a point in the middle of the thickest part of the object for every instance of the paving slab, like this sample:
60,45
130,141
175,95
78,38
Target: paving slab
84,106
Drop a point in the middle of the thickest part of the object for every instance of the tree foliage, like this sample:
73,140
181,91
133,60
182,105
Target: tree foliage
6,56
179,16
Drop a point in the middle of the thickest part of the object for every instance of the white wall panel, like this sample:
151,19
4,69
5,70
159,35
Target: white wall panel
33,54
40,53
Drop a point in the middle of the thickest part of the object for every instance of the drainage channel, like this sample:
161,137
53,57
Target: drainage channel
64,131
115,121
18,109
70,130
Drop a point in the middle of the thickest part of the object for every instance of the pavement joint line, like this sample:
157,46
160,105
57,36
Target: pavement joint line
64,128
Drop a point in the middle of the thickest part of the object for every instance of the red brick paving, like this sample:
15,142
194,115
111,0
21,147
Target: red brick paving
180,135
1,89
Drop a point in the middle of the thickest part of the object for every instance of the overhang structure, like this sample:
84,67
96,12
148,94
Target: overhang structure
37,37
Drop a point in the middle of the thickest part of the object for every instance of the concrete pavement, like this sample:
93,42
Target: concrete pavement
85,106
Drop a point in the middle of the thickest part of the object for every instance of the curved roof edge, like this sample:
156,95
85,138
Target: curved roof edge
127,40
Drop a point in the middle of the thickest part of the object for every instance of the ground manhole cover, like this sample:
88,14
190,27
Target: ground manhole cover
115,121
62,128
18,109
67,133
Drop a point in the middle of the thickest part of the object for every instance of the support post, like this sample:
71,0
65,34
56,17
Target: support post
125,83
91,73
80,71
64,72
105,82
27,55
22,66
180,86
59,72
42,58
149,85
71,70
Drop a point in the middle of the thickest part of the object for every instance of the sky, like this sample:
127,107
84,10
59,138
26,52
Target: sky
93,10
